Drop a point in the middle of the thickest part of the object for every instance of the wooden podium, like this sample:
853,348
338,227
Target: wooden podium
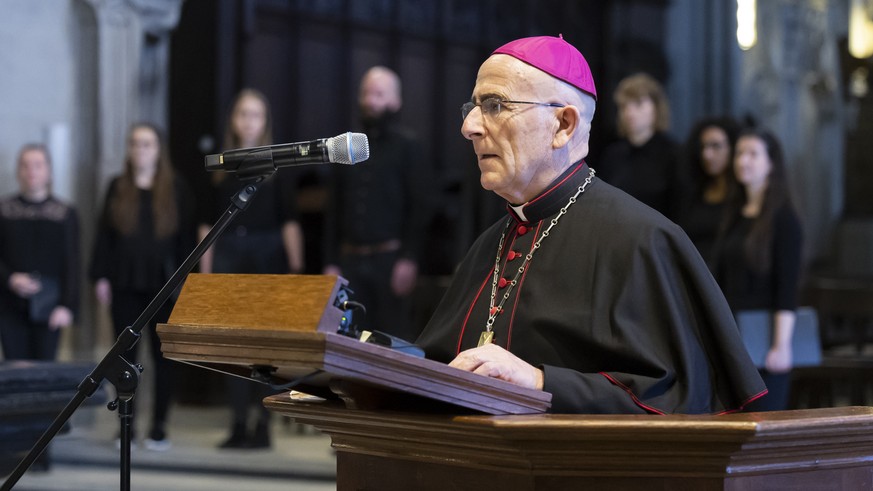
400,422
284,327
805,450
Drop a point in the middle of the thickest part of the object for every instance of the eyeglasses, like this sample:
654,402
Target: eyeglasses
492,106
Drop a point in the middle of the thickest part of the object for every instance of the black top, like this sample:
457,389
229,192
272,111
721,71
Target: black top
39,238
776,289
274,205
139,261
382,198
616,307
701,220
650,173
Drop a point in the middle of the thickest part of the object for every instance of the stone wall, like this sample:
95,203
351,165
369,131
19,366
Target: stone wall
76,74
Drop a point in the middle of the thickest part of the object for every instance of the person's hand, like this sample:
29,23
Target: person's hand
24,285
493,361
332,270
60,318
403,277
779,359
103,291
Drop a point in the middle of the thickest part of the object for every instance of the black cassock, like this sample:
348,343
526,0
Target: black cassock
617,307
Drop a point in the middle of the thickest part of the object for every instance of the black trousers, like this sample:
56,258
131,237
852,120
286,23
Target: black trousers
25,340
260,252
778,388
369,278
126,307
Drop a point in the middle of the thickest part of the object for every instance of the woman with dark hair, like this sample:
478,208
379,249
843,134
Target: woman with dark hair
645,162
266,239
39,261
758,253
709,163
144,234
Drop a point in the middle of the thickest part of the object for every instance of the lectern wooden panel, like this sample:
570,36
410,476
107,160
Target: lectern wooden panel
303,303
229,323
818,449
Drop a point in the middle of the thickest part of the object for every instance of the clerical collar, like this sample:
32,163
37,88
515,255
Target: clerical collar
519,211
553,198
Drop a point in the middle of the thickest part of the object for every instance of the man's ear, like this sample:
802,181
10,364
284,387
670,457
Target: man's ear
568,123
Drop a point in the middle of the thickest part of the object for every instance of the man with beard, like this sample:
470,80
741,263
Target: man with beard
375,221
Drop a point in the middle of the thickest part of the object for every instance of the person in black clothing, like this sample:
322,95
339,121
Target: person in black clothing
758,253
645,162
39,261
710,166
144,234
377,214
265,239
579,290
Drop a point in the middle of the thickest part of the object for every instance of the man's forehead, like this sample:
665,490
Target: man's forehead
502,75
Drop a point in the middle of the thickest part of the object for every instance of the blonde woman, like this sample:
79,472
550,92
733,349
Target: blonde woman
39,261
645,161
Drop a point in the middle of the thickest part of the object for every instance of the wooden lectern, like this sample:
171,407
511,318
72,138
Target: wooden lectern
285,327
400,422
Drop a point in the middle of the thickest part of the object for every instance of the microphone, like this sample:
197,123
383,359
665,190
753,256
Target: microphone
348,149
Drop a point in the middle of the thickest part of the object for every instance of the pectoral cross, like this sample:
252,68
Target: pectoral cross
487,337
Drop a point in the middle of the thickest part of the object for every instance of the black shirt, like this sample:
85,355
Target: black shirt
650,173
140,261
701,220
776,289
272,206
40,238
382,198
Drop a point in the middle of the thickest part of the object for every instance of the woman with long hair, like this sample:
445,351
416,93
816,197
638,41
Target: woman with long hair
144,234
266,239
709,163
758,253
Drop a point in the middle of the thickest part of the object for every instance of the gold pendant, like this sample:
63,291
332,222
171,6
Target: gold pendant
487,337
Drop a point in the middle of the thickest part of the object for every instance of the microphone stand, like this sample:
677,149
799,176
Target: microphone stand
117,370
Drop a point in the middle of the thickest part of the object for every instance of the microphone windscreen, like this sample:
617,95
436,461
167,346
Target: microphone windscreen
348,148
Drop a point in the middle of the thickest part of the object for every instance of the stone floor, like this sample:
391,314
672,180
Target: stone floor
87,458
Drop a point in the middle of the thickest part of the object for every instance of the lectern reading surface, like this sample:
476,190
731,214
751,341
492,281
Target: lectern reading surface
285,326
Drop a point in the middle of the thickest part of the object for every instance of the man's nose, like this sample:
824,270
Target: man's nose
472,126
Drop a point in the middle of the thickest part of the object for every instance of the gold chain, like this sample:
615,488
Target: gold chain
493,311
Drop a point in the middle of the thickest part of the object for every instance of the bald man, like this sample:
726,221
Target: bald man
375,223
580,290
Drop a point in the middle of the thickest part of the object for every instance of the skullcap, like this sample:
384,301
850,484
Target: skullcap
554,56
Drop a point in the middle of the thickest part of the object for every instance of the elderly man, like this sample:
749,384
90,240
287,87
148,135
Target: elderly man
581,290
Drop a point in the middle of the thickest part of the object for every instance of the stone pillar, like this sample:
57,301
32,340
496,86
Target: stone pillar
157,19
790,84
132,64
133,72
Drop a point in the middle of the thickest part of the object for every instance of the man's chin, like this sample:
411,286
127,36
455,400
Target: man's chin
490,185
486,183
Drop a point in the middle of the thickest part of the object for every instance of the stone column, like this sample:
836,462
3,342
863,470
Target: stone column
132,64
790,83
133,54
